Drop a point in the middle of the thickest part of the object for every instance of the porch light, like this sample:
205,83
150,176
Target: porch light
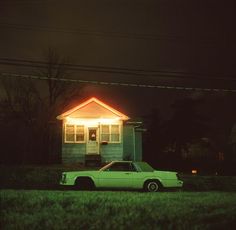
194,171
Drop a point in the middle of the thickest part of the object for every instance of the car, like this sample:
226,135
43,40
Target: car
122,175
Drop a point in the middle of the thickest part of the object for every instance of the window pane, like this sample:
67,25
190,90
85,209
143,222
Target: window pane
79,137
70,133
70,129
92,134
114,129
80,129
115,138
79,133
105,137
105,129
120,167
70,137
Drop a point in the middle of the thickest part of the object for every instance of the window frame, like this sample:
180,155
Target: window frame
130,167
75,133
110,134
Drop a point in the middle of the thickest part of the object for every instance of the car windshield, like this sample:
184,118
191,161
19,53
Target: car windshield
105,167
144,167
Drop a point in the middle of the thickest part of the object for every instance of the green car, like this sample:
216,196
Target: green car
123,175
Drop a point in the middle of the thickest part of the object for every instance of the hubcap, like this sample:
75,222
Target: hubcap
152,187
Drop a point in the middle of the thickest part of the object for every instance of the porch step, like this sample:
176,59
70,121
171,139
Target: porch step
93,159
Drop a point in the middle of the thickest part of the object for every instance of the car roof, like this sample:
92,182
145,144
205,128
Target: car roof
121,161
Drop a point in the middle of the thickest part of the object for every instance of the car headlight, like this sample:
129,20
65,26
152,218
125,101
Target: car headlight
63,179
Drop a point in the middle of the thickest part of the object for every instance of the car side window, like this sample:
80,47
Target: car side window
132,168
121,166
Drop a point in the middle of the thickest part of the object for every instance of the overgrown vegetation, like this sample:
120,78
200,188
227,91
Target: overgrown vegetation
117,210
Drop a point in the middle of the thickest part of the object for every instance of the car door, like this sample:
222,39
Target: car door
118,175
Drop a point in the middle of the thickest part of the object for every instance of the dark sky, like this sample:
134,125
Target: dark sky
194,37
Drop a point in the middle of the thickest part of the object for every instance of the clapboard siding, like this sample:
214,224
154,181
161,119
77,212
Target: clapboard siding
128,142
111,152
138,146
132,144
73,153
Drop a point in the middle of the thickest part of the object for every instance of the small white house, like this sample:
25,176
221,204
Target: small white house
94,131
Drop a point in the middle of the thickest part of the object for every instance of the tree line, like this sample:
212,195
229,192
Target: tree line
186,140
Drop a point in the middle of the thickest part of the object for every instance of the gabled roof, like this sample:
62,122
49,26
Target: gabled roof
93,108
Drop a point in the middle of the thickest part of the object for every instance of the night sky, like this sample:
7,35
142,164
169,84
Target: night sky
184,43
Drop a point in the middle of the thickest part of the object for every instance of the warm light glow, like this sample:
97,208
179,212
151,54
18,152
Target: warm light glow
194,171
87,103
91,122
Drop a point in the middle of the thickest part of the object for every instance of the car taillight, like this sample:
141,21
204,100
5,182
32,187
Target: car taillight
178,176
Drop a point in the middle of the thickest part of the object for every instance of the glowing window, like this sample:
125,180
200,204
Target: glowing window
70,133
74,133
110,133
105,133
115,134
79,133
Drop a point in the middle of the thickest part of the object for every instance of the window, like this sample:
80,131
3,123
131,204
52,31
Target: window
74,133
105,133
110,133
79,133
121,166
115,134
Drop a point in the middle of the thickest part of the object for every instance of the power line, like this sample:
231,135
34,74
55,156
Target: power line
119,70
34,77
126,35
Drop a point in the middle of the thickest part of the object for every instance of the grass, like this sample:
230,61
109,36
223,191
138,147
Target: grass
31,209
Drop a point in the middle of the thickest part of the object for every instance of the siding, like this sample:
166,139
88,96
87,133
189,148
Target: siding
128,142
132,146
73,153
138,146
111,152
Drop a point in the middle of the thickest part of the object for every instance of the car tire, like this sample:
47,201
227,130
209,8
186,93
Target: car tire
152,186
82,183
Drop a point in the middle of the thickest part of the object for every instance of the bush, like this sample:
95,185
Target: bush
209,183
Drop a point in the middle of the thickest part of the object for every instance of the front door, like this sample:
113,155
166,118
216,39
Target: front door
92,142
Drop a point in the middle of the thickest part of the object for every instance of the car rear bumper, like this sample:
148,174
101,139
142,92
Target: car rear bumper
179,184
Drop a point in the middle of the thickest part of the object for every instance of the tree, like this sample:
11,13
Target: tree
20,106
185,126
153,138
29,112
59,92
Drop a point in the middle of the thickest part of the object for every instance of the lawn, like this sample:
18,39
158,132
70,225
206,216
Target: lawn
33,209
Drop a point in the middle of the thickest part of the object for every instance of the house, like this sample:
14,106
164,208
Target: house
94,131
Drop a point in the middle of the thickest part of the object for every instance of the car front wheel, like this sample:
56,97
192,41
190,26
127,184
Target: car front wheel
82,183
152,186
